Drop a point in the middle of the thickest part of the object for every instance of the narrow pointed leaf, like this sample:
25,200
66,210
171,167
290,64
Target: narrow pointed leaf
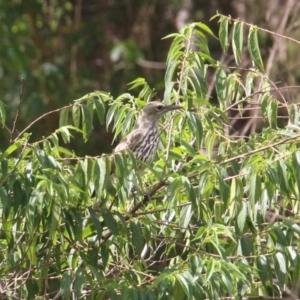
280,268
63,117
100,109
237,41
223,33
221,87
87,121
253,47
109,221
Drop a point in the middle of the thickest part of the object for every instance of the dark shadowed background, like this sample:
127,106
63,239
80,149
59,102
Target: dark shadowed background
65,49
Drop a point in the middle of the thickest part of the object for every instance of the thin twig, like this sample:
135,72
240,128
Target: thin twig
263,29
146,199
259,92
18,111
41,117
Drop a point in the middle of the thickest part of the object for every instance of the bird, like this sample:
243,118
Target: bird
143,140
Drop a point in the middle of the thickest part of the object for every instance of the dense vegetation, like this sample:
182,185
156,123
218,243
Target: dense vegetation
216,216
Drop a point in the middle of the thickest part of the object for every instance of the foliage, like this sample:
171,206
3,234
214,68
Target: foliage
215,215
64,49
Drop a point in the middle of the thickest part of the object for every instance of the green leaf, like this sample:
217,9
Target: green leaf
185,217
4,199
87,121
294,227
272,112
184,284
263,269
80,281
197,86
253,47
55,217
247,246
19,197
136,83
65,134
137,237
280,237
128,121
119,119
76,115
2,113
254,189
221,88
236,197
223,186
223,33
105,252
195,126
100,109
249,86
111,113
171,67
96,222
237,41
265,100
210,269
120,165
100,175
293,256
66,285
199,77
109,221
206,29
4,167
189,190
241,217
65,151
64,117
283,177
11,149
188,148
280,268
296,167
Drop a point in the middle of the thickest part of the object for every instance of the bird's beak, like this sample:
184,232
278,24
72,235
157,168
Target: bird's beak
172,107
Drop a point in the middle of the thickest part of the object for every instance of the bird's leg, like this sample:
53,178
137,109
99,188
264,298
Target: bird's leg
135,191
147,196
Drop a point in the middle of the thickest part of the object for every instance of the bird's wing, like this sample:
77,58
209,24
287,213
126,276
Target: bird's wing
131,141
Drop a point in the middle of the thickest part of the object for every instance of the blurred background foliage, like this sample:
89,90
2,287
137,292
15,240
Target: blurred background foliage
65,49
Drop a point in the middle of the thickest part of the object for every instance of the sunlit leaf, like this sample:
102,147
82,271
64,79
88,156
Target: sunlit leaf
65,285
109,221
237,41
263,268
137,237
185,216
2,113
280,268
221,88
253,47
96,222
100,109
87,122
223,33
11,149
76,115
63,117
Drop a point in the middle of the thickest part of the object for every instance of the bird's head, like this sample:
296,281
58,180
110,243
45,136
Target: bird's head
154,110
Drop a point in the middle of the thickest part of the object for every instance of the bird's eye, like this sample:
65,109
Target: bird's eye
159,107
